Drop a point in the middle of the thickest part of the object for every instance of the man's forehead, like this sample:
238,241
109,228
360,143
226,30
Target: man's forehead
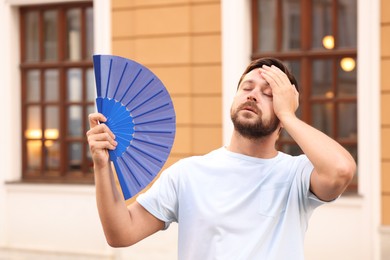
254,76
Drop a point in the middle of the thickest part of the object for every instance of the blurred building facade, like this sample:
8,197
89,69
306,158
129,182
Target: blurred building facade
199,49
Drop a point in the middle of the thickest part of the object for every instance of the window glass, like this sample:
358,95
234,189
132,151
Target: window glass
52,150
322,78
32,49
34,130
75,155
89,32
50,35
52,122
74,78
292,149
267,20
322,117
347,20
74,34
322,24
33,86
34,155
75,121
295,67
347,120
91,93
291,25
51,85
347,77
353,149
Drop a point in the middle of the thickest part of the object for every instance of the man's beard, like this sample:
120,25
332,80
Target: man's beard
253,130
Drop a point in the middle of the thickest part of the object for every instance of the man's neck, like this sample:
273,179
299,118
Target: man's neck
260,148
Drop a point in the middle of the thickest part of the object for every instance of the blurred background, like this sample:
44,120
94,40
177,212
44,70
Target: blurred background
339,50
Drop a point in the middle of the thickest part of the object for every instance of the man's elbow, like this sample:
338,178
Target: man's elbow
116,242
346,171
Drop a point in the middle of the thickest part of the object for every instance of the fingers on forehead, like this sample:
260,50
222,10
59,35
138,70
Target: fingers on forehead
274,74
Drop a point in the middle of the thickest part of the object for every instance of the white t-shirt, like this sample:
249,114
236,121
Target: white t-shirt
233,206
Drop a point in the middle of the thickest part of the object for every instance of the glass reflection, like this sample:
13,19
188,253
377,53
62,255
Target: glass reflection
347,64
52,150
34,130
52,122
322,117
34,155
321,78
347,80
51,85
347,21
50,34
321,21
89,32
328,42
291,25
295,67
75,121
75,155
74,79
347,120
74,34
33,86
90,85
267,26
32,36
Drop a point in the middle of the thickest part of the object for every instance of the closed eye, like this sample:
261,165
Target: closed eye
247,88
267,91
247,85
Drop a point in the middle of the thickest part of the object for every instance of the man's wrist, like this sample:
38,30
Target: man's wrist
287,117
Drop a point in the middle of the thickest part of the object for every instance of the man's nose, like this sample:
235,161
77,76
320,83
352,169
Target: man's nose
251,98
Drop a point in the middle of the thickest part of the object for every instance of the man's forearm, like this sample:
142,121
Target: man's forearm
112,209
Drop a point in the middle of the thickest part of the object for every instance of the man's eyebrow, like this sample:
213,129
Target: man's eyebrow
251,81
248,81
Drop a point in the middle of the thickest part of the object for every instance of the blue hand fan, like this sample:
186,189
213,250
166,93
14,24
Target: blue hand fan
140,113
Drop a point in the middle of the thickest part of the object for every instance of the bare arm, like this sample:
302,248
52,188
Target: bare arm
122,225
334,167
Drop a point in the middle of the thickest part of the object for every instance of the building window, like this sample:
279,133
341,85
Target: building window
57,91
318,41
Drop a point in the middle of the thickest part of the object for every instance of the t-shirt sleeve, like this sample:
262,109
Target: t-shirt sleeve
161,199
304,170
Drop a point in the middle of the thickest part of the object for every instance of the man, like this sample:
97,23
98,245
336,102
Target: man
243,201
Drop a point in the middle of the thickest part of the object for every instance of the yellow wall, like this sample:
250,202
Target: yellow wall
385,109
180,41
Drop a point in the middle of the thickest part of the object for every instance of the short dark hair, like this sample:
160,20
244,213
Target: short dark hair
258,63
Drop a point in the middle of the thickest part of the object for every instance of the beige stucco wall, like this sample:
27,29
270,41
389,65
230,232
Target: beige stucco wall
385,110
180,41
